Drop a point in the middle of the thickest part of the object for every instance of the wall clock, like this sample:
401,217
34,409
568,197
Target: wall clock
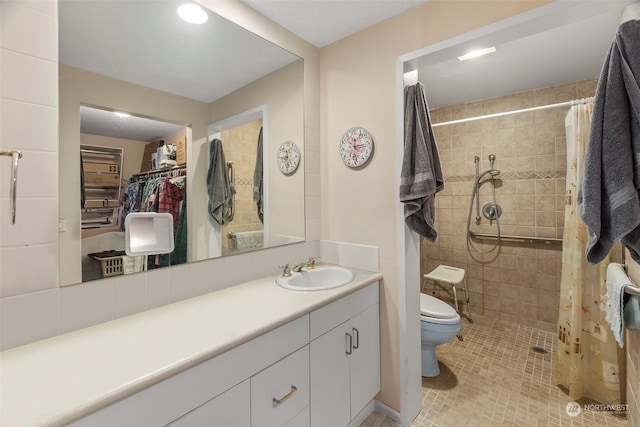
356,147
288,157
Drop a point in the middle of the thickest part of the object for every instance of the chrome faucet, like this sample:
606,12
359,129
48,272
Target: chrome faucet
310,264
298,267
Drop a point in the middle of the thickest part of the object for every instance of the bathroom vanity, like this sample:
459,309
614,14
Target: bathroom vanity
251,355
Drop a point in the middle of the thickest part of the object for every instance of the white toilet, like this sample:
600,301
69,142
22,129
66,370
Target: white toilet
439,323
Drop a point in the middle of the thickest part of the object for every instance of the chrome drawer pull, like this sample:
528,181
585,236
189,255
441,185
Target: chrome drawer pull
277,402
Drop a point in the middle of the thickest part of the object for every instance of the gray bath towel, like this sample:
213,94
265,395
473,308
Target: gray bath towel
258,177
218,184
609,201
421,176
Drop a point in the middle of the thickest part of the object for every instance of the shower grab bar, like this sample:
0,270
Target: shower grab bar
525,239
632,290
231,171
15,155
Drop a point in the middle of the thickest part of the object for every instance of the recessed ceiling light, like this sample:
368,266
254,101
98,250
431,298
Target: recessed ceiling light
192,13
121,114
476,53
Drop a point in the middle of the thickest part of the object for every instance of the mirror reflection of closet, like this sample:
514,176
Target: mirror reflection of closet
128,164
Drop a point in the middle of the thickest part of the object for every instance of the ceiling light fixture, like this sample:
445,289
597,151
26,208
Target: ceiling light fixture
476,53
192,13
121,114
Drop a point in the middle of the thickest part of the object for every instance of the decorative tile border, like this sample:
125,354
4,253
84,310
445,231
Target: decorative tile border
512,176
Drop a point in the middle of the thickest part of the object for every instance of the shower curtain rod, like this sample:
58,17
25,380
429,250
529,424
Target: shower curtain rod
524,110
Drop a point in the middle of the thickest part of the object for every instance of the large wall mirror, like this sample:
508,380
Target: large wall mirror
149,105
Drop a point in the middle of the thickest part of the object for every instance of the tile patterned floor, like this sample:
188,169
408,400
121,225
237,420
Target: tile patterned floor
493,378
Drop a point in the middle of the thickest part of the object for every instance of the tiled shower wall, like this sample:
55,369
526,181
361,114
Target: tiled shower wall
519,283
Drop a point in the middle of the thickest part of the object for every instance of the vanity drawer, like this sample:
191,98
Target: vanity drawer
231,408
286,381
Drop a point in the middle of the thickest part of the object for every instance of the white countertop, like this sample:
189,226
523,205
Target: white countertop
57,380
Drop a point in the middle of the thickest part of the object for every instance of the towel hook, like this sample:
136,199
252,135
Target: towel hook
15,155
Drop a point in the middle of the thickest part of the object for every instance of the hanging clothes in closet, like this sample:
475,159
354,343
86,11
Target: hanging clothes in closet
157,192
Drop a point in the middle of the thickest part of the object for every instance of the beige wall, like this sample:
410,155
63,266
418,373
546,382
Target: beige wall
521,283
358,88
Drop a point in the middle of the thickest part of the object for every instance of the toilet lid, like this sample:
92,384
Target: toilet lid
435,308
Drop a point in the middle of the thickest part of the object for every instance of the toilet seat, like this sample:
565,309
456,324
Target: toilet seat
433,310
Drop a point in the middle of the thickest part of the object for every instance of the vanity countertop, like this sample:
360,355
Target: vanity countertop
57,380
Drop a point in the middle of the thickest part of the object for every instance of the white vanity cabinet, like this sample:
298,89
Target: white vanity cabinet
219,391
345,358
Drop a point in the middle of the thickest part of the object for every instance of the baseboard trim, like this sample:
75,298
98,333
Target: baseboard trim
387,411
362,415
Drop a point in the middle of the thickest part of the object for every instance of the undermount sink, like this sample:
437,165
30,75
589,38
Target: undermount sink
320,278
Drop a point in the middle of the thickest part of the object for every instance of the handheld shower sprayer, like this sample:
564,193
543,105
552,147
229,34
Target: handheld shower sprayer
476,160
492,211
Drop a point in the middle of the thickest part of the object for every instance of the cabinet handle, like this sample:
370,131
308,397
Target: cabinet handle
284,398
349,343
356,335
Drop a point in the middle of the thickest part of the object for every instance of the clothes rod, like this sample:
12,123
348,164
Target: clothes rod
547,240
524,110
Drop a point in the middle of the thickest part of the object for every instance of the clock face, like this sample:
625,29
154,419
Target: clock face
288,157
355,147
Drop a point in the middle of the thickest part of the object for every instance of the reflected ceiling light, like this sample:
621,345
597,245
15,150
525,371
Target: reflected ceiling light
192,13
121,114
476,53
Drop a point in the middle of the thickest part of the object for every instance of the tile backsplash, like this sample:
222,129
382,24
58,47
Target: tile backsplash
29,117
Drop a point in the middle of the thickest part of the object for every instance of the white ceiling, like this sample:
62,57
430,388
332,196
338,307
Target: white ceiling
566,45
96,121
322,22
569,44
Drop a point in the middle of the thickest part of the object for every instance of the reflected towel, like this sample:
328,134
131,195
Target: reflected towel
258,178
617,280
608,198
421,176
218,184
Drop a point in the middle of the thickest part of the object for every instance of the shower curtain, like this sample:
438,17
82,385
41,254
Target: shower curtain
589,362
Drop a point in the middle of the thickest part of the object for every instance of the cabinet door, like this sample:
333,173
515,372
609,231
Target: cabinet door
365,360
329,363
231,408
